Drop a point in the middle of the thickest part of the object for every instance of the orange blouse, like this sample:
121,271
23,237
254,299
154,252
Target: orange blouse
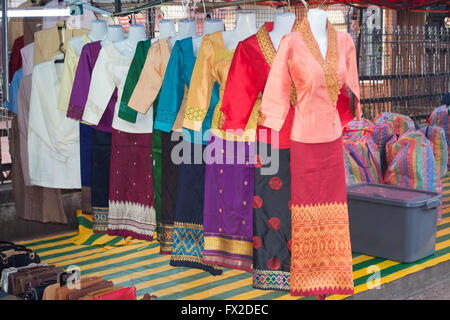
317,83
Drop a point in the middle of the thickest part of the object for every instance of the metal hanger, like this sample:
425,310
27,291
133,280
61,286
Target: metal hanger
322,4
61,44
305,4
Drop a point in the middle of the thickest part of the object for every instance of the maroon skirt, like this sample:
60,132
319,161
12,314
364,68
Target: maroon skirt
131,194
321,261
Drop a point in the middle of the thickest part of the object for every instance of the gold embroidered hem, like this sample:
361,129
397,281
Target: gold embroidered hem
187,250
322,250
228,251
249,133
195,114
166,239
331,63
100,219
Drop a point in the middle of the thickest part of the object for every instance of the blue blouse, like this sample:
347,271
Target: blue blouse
178,75
14,91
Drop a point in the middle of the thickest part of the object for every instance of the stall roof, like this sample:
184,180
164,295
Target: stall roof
410,5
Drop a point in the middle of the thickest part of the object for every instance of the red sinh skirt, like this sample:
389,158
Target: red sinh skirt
131,195
321,260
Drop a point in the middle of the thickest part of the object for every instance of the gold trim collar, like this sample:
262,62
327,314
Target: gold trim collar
330,64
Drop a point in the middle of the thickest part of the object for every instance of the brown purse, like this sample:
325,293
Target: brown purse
62,292
77,294
22,280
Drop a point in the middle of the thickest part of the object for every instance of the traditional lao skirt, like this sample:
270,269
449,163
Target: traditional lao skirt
272,219
188,242
85,166
321,260
131,198
169,180
157,166
100,168
228,212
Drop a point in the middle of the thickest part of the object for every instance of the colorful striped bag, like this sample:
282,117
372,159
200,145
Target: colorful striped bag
356,128
438,141
362,161
400,122
411,163
439,118
382,132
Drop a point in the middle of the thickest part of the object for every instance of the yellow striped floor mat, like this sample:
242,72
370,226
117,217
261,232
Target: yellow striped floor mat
130,262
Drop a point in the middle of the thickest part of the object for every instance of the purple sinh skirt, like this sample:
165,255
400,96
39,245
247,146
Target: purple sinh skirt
228,208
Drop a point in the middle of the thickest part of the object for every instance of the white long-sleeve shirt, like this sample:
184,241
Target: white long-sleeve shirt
53,139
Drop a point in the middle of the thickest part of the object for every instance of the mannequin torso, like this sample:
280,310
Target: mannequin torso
127,47
245,27
166,30
98,32
210,26
282,25
317,19
114,34
186,28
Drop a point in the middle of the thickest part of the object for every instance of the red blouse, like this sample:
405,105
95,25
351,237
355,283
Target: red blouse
245,84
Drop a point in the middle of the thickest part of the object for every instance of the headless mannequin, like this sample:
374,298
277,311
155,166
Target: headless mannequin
114,34
282,25
245,27
209,26
317,19
98,32
186,28
127,47
166,30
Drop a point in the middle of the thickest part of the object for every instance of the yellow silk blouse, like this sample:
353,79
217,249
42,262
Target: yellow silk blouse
212,64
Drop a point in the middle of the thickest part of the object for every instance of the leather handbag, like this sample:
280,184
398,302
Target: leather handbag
22,280
77,294
128,293
14,255
63,291
7,272
50,292
36,293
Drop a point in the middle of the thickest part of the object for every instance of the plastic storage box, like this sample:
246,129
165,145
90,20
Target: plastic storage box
391,222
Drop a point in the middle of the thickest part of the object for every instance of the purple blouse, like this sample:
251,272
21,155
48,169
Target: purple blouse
80,89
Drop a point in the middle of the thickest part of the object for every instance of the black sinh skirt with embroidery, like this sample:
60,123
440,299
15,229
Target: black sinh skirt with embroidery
272,221
100,163
188,241
169,181
85,167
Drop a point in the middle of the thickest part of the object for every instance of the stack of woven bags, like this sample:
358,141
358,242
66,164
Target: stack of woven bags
393,150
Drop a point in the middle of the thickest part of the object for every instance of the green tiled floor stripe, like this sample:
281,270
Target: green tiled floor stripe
204,287
105,258
35,243
129,262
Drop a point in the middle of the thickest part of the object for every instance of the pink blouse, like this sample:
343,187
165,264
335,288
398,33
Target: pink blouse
317,83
